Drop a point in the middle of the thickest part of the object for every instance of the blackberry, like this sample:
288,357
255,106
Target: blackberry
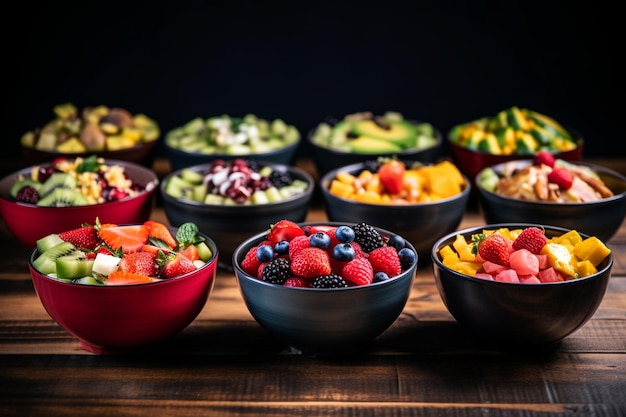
366,236
27,194
329,281
276,271
280,178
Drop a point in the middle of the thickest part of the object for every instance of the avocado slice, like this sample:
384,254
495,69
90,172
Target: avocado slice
369,145
398,132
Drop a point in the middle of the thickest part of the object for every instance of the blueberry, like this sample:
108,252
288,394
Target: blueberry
282,247
380,276
396,241
344,234
407,257
320,240
265,253
344,252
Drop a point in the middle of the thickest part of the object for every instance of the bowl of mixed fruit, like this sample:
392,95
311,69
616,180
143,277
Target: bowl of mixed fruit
109,132
511,134
325,288
230,199
359,136
422,202
202,140
124,288
54,196
521,286
576,195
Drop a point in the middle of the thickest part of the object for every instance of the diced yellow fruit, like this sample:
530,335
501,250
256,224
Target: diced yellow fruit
446,251
467,268
132,133
573,237
340,189
114,143
463,249
585,268
369,197
560,258
451,260
72,145
365,175
346,177
592,249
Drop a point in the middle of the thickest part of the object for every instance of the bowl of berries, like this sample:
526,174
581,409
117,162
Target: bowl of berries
109,132
521,286
575,195
325,288
203,140
232,199
124,288
422,202
57,195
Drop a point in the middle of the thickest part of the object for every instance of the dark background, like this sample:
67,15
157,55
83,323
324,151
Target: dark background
444,62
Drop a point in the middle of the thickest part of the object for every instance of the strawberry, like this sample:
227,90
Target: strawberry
385,260
143,263
494,248
250,263
174,265
562,177
391,175
298,243
297,282
284,230
310,262
129,238
359,271
532,239
544,158
125,277
85,237
157,230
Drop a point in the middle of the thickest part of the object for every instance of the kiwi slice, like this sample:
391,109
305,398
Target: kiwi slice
57,180
74,265
47,242
46,261
23,182
63,197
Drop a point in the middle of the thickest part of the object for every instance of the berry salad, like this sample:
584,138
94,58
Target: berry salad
74,182
111,254
235,182
318,256
524,256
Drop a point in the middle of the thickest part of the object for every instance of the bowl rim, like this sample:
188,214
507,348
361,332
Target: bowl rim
359,166
527,162
306,194
437,263
405,152
240,274
149,187
167,281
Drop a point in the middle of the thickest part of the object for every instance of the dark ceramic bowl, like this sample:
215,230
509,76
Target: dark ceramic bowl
328,159
29,222
314,321
229,225
422,223
143,316
601,218
517,316
180,159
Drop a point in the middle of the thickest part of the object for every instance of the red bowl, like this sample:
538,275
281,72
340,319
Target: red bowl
126,318
28,222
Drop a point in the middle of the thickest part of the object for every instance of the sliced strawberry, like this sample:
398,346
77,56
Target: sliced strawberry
83,237
143,263
158,230
124,278
562,177
128,238
284,230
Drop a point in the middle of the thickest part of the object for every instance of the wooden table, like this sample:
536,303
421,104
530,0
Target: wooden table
225,364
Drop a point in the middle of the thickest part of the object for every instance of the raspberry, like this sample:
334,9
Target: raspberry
297,282
250,263
329,281
532,239
385,260
27,194
358,271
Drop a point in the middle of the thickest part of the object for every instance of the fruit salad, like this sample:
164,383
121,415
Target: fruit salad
111,254
545,179
524,255
94,129
390,181
75,182
232,135
327,256
235,182
514,131
366,133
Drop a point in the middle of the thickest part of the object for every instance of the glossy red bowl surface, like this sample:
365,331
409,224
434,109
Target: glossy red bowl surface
28,222
126,318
